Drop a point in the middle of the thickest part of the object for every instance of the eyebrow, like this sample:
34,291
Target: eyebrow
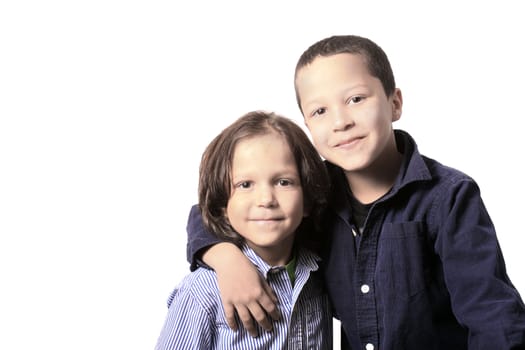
343,92
285,173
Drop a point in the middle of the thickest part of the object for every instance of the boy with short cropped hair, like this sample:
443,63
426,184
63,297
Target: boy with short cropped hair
411,259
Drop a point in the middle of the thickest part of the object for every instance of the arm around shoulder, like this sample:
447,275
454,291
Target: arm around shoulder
243,290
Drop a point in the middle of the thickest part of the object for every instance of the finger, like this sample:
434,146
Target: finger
260,316
247,321
269,303
229,312
269,291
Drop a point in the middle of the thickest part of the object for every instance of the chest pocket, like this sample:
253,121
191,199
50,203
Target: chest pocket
403,258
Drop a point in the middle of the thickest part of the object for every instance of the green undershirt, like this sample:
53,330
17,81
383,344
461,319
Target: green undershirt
290,268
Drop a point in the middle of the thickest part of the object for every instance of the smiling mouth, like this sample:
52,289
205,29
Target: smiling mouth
267,220
348,143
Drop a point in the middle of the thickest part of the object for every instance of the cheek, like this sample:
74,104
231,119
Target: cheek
318,137
377,122
295,204
233,216
316,128
371,115
232,208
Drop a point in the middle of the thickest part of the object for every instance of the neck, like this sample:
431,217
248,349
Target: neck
275,255
376,180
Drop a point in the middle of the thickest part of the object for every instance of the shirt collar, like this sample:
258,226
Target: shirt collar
306,260
413,169
413,166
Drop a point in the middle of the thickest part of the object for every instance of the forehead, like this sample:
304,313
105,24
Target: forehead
331,71
271,148
261,143
335,66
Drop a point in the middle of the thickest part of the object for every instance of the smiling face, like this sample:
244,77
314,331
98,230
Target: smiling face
347,111
266,202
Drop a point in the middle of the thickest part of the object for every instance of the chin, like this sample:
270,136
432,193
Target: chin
354,168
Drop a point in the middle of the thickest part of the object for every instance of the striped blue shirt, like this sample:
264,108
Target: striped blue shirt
196,317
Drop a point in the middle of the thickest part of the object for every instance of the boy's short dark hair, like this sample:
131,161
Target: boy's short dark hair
215,181
375,58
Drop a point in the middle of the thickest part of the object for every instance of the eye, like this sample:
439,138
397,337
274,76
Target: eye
355,99
244,184
319,111
284,182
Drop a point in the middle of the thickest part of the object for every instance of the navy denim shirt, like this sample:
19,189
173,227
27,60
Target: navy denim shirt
427,273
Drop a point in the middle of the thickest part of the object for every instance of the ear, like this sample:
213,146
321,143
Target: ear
397,104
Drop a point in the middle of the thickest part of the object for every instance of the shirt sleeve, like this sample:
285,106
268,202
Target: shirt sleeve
187,325
199,237
482,295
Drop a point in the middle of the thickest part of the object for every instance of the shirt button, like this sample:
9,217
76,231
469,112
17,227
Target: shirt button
369,346
365,289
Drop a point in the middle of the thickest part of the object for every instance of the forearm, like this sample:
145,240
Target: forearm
222,256
242,288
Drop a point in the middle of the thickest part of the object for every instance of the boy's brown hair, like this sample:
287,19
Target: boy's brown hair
215,180
375,58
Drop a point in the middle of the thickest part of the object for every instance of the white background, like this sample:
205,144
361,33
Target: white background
106,107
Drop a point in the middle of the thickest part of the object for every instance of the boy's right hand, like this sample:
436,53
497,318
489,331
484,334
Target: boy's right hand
242,289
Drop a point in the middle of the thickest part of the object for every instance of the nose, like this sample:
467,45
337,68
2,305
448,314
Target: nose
266,197
342,119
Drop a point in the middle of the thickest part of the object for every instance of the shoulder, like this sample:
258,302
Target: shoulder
200,286
454,198
450,186
445,174
423,168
